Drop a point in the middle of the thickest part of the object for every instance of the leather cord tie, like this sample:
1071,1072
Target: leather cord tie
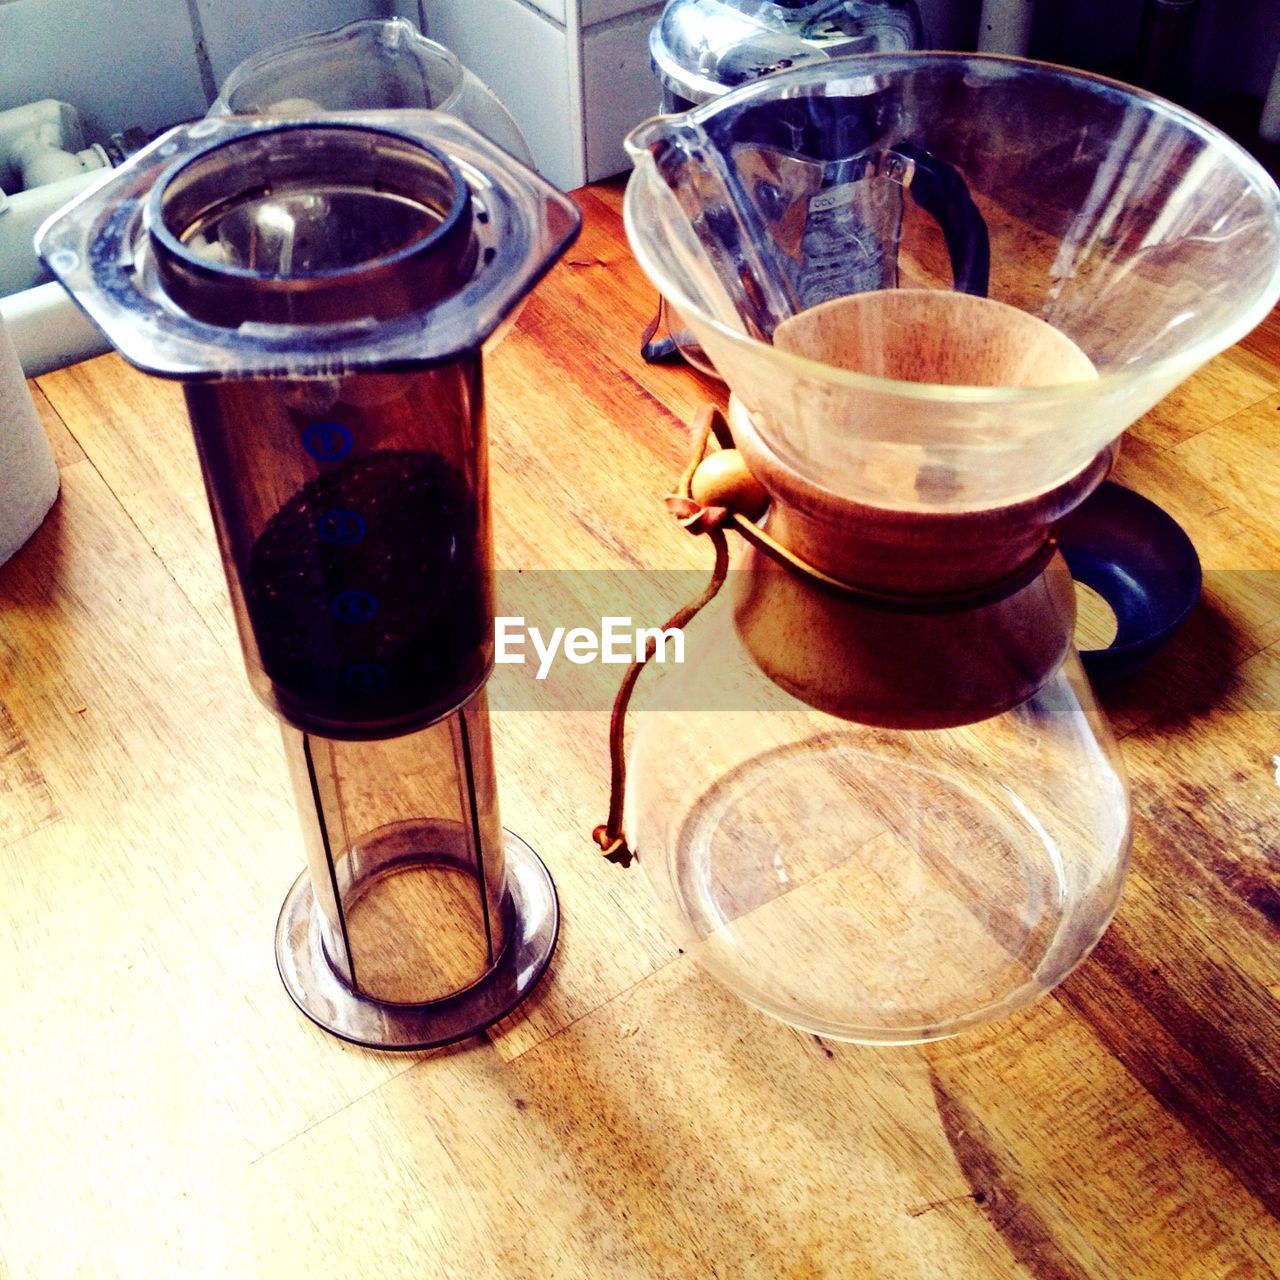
716,493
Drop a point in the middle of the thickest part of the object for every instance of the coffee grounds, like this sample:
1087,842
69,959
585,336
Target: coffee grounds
369,592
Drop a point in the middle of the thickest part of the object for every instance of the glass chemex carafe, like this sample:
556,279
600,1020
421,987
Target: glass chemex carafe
324,289
877,799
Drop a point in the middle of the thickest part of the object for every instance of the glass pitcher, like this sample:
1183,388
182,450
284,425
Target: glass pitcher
878,800
374,64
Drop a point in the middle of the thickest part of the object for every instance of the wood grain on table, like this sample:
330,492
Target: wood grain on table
168,1113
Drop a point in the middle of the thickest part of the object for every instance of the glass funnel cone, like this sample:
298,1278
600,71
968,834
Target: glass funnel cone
885,807
1144,236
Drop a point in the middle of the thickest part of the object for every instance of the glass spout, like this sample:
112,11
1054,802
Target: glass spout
731,240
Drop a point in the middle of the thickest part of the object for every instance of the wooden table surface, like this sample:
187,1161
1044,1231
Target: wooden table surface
167,1112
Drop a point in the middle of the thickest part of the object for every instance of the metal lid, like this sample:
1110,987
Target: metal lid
701,48
246,247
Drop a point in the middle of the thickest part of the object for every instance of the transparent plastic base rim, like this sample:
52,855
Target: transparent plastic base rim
533,919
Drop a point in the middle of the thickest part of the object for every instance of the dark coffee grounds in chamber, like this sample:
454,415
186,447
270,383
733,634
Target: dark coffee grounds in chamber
369,593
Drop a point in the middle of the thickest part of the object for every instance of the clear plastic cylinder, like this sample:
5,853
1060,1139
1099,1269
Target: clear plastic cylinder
353,519
324,289
405,854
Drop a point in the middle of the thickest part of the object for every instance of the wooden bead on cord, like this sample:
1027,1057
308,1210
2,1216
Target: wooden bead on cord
722,480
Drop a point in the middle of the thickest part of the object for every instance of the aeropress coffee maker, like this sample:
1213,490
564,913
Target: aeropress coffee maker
877,799
324,288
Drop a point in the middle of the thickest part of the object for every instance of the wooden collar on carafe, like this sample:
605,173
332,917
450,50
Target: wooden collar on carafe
717,492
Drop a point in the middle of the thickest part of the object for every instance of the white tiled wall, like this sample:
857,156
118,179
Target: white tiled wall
594,11
575,73
143,62
138,68
556,10
233,30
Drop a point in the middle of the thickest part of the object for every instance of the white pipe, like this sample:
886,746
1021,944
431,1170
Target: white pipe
42,147
1269,126
21,216
47,122
38,164
48,329
43,142
1005,26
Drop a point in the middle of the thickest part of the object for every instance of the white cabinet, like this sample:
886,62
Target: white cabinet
574,73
